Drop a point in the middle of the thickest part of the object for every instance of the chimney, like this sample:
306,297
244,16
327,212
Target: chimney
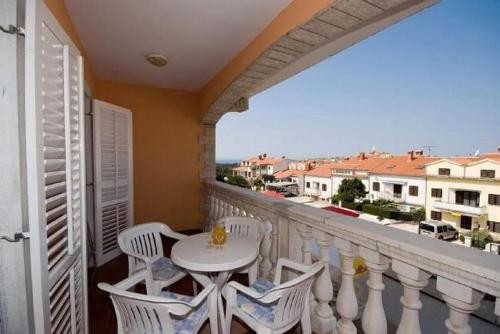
362,156
410,155
260,157
264,155
419,153
498,149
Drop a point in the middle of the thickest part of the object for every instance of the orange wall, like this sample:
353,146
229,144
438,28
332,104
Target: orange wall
166,127
295,14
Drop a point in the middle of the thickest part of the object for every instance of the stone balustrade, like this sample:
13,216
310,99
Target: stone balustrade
464,276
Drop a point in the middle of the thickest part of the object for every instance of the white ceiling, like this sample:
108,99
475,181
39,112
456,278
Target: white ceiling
199,37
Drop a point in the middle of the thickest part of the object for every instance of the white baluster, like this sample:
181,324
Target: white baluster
265,249
413,280
347,303
323,320
273,255
305,233
461,300
374,320
306,236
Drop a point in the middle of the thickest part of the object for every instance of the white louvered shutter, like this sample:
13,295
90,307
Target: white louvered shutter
55,167
113,177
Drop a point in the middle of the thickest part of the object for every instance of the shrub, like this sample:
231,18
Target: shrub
352,206
386,212
334,199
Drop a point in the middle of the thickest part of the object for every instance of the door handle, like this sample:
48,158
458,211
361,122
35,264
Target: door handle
17,236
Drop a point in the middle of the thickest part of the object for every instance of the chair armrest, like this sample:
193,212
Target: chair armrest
181,308
246,290
204,294
266,297
168,232
286,263
132,280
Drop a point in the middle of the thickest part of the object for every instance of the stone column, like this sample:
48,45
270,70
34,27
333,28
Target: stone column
413,280
347,304
323,320
265,249
461,300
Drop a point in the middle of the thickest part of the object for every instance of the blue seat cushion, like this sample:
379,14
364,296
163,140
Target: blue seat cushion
261,312
188,324
164,269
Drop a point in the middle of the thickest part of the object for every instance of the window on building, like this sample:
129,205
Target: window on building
494,226
444,171
413,190
470,198
436,215
488,173
437,192
323,187
466,222
308,184
376,186
493,199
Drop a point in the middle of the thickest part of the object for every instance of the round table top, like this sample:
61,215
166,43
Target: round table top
195,254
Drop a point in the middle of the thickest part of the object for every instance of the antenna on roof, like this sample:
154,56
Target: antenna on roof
477,153
429,148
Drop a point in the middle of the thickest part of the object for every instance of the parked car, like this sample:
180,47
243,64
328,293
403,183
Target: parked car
438,230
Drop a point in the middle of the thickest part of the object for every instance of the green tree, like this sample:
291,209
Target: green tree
351,190
268,178
223,170
258,183
237,180
418,216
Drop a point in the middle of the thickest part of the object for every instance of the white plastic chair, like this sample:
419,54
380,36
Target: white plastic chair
168,313
274,307
142,243
248,227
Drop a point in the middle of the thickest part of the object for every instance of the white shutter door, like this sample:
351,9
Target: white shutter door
113,177
55,167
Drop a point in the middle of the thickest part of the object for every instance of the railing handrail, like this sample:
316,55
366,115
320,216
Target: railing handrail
476,269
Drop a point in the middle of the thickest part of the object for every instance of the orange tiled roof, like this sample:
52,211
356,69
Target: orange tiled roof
268,161
402,165
324,170
287,173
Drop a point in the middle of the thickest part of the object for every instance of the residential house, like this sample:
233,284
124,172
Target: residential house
400,179
357,166
269,165
244,169
318,182
465,191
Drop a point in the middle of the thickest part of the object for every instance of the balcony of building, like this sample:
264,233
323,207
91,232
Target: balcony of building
460,208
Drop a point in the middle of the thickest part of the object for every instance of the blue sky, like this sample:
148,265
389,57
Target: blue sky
432,79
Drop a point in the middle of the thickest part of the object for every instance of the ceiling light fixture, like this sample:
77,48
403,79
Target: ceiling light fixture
157,59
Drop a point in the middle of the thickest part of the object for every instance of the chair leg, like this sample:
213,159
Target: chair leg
305,321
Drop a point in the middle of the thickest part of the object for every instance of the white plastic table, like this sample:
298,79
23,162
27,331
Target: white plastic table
208,264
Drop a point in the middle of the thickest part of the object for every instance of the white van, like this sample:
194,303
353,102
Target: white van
438,230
